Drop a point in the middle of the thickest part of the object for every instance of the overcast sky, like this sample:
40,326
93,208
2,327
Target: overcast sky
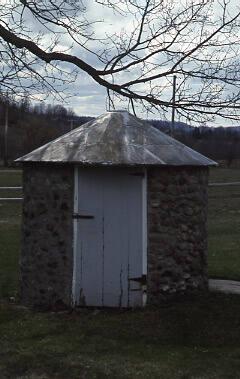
89,98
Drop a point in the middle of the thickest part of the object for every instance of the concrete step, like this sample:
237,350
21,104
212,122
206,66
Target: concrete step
226,286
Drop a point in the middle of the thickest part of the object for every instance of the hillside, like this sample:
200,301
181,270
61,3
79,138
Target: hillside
32,126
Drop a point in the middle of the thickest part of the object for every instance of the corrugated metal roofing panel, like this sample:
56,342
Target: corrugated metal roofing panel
117,138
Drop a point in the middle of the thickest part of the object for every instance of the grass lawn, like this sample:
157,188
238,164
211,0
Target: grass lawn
13,179
194,339
224,225
222,174
198,339
10,220
10,216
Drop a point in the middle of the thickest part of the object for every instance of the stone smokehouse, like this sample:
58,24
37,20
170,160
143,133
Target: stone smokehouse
114,214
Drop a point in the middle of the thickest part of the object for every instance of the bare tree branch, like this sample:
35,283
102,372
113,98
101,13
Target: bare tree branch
154,39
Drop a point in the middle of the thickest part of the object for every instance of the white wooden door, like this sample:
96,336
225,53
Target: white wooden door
109,247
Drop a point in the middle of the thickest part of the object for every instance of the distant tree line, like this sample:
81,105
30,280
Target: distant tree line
32,125
219,143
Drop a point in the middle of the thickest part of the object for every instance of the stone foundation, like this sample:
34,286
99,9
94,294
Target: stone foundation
177,233
47,238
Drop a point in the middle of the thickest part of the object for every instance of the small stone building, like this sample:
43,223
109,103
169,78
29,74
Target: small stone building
114,214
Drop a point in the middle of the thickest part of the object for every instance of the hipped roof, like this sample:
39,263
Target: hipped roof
117,138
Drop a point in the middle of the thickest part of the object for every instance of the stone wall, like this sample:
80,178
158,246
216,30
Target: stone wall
47,242
177,234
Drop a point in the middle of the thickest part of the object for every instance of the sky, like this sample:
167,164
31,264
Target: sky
89,98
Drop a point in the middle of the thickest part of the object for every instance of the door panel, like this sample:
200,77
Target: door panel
115,245
109,237
90,236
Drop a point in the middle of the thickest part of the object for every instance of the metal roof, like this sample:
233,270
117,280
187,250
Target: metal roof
117,138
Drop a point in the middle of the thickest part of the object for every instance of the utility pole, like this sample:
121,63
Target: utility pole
173,104
71,124
5,158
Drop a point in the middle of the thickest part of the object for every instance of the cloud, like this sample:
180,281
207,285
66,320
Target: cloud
89,97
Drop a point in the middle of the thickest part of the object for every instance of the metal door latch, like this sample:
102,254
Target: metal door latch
141,279
137,174
78,216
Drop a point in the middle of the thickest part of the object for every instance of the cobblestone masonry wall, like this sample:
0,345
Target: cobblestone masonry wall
177,234
46,260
